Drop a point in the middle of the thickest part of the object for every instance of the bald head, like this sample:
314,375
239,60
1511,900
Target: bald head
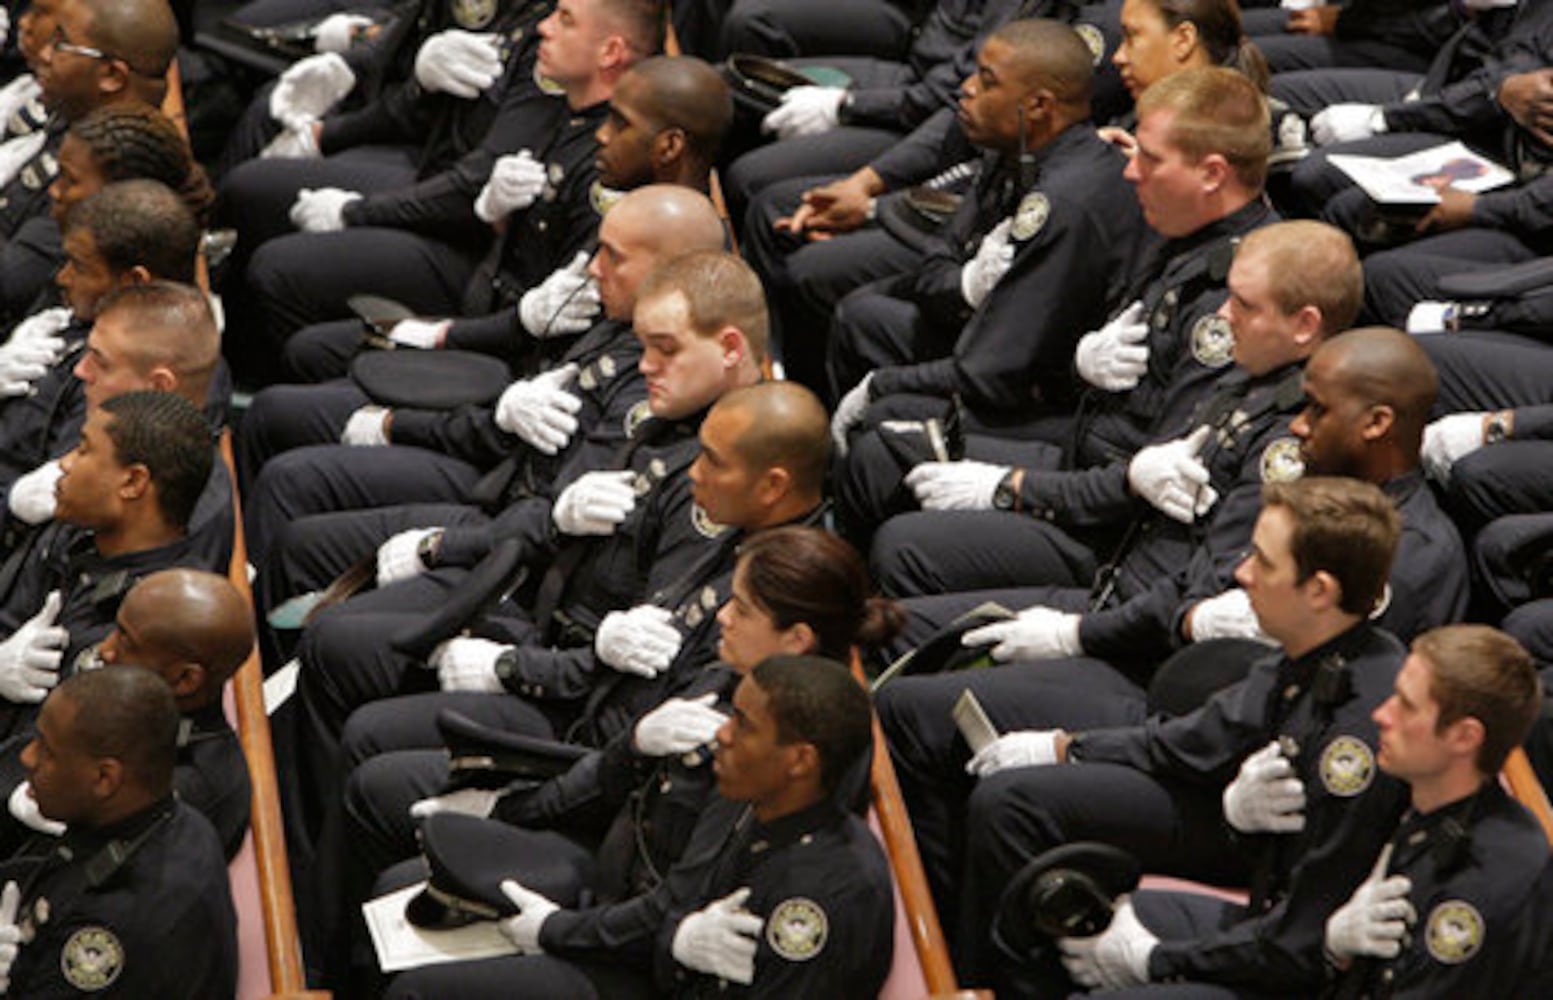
685,93
143,33
669,219
191,627
787,428
1386,367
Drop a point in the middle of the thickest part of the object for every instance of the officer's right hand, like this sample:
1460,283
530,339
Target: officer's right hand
1025,748
44,325
24,809
805,111
567,301
366,428
460,63
849,413
1227,616
838,207
338,32
1373,922
295,142
1116,356
720,939
516,181
1172,478
595,504
981,274
309,88
965,485
1346,123
10,932
678,726
1450,439
468,664
33,499
30,658
539,411
1266,796
420,334
478,802
642,641
399,558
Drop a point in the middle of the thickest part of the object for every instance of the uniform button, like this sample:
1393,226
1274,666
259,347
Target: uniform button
1291,692
543,225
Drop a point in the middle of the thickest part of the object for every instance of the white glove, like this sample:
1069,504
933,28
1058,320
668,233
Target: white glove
293,143
20,367
45,325
1025,748
10,932
849,412
805,111
309,88
336,32
983,271
1116,356
1037,633
523,928
539,411
17,94
1374,920
477,802
29,659
1227,616
1172,478
1114,959
321,210
720,939
515,182
5,25
678,726
32,498
467,664
364,429
1448,440
1347,123
595,504
640,641
1266,796
24,809
966,485
420,334
567,301
14,153
460,63
399,558
1432,316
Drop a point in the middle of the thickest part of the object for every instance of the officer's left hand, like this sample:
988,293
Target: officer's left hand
849,413
966,485
805,111
321,210
516,181
468,664
1448,440
10,932
1114,959
338,32
295,142
642,641
460,63
1172,478
994,256
1453,212
1024,748
399,558
1037,633
32,498
477,802
420,334
366,428
1266,796
1346,123
533,909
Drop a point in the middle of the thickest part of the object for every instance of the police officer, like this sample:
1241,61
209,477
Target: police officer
780,889
1174,291
194,630
1318,565
447,453
550,195
1451,900
126,498
1049,211
134,896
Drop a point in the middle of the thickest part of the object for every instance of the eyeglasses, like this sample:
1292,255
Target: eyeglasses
59,43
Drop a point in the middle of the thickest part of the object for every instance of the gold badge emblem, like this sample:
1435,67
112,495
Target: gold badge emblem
1347,767
1281,462
547,85
1033,212
472,15
1455,932
636,416
1094,39
704,525
92,959
1213,342
797,929
602,198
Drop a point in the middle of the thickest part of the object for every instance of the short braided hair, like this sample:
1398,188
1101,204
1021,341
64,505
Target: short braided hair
134,141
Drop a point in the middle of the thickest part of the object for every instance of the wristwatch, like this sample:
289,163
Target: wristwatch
1006,495
1498,427
429,549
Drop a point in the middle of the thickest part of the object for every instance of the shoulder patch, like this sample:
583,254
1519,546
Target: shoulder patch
1455,932
1347,767
1281,462
1031,216
1093,38
472,15
1213,342
704,525
636,416
92,959
603,198
797,929
547,85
